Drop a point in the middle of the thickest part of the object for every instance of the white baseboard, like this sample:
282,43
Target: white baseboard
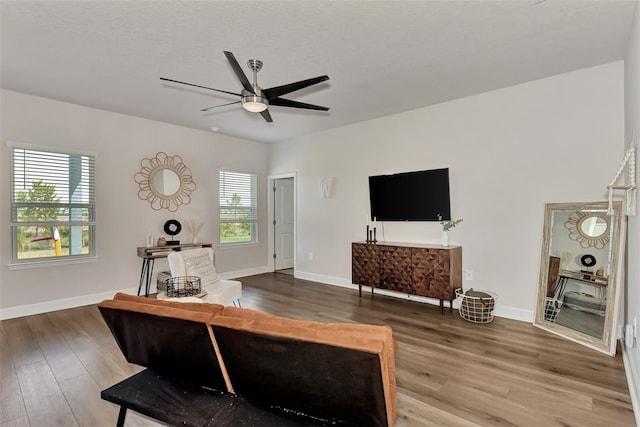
79,301
60,304
514,313
632,381
242,273
500,311
329,280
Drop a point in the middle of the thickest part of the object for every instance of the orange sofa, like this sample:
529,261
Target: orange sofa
212,365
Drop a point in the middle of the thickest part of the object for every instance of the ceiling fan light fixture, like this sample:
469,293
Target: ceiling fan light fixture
254,103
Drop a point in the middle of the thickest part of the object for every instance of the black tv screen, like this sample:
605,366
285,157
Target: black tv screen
410,196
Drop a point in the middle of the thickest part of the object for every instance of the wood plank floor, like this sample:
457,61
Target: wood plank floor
449,372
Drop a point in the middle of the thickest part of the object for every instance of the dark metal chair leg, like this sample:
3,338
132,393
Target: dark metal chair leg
142,277
152,262
121,415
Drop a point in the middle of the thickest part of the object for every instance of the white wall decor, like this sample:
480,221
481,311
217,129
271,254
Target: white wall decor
326,187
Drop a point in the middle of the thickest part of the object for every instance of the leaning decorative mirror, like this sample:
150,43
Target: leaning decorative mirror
165,182
579,273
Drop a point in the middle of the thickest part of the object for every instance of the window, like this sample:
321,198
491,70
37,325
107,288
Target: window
238,207
52,204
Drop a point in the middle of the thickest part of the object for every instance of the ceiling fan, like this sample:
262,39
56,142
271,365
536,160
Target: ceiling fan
254,98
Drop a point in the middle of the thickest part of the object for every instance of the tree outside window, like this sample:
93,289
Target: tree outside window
52,204
238,207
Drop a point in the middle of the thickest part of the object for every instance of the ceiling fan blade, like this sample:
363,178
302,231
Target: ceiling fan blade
217,106
281,102
277,91
202,87
239,73
265,115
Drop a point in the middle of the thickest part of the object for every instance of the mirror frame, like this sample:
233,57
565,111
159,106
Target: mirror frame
607,344
150,167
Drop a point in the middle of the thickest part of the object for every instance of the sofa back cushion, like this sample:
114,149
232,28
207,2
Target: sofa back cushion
335,372
171,340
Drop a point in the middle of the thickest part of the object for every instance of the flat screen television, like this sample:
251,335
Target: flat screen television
410,196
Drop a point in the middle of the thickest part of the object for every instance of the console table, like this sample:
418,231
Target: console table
149,254
432,271
599,283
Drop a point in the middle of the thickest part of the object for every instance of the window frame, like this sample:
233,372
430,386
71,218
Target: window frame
254,207
89,205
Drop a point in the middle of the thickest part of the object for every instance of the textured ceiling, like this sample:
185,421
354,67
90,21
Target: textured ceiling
382,57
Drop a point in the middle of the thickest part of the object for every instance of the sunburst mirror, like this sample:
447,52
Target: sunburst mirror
590,229
165,182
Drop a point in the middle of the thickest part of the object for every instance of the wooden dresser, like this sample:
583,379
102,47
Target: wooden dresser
432,271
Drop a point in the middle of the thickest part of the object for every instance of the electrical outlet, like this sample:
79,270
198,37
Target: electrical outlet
310,256
468,274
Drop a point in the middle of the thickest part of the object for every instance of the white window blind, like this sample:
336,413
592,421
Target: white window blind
52,204
238,207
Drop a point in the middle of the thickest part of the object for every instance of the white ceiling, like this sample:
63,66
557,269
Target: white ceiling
382,57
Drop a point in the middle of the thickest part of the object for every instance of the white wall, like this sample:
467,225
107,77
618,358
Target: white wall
123,219
632,122
509,151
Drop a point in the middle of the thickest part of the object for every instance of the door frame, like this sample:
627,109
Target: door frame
271,266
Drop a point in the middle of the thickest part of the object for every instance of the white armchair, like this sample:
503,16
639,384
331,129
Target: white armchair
199,262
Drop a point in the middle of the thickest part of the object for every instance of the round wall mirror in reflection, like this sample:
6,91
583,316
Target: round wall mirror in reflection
590,229
593,226
165,182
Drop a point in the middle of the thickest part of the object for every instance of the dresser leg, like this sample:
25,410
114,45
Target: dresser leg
360,291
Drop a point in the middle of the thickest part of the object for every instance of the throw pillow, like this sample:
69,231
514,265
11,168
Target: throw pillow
201,266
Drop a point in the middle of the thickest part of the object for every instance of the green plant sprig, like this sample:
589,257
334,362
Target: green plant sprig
449,224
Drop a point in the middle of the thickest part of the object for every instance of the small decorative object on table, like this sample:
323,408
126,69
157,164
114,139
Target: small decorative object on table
183,286
172,227
566,257
476,306
194,228
446,226
371,231
587,261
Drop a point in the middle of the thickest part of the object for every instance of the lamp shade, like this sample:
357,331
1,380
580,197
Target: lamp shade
254,103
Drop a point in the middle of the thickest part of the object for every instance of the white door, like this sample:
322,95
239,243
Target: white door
283,223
